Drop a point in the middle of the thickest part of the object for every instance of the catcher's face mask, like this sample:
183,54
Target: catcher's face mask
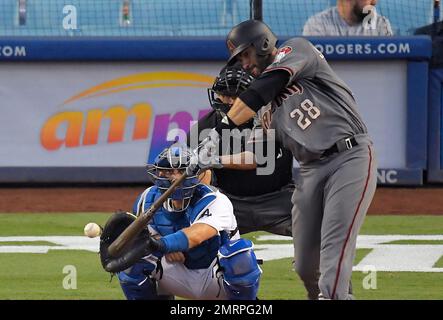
218,103
170,164
229,84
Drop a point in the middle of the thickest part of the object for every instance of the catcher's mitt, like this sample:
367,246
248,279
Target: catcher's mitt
140,247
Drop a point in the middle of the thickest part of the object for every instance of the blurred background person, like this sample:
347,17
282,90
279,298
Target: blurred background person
349,18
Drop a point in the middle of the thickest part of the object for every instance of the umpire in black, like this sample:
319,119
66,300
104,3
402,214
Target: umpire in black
261,202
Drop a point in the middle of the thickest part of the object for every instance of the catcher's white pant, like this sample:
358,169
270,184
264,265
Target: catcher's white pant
202,284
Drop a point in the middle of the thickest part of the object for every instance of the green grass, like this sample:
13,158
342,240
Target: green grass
45,224
42,224
280,282
26,243
40,276
44,280
400,286
426,225
439,263
433,242
360,254
254,237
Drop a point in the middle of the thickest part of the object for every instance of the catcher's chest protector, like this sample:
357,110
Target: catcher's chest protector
165,223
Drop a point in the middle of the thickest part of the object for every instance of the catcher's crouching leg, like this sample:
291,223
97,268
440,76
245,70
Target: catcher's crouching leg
133,271
137,283
241,273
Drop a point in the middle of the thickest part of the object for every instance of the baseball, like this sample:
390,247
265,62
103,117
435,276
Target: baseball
92,230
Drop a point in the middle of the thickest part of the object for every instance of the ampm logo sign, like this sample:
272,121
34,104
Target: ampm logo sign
76,129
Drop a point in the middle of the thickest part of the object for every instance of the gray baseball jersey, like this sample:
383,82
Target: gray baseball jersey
317,108
315,112
330,23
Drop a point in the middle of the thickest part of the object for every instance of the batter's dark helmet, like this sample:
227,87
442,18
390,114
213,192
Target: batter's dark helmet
247,33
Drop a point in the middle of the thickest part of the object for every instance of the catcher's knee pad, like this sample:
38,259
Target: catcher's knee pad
241,273
136,282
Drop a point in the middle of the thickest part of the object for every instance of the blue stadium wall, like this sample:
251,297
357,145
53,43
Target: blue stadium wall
417,55
435,130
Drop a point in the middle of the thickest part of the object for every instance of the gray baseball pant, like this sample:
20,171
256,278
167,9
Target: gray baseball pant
330,203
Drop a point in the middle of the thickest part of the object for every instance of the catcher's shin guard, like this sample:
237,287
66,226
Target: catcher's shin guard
137,284
241,273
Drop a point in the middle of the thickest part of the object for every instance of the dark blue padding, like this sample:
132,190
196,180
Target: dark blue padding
112,175
435,131
235,246
198,49
417,120
241,273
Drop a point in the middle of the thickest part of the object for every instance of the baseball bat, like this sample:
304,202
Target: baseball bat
131,232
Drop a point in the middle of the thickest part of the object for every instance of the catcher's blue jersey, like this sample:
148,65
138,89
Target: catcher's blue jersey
165,222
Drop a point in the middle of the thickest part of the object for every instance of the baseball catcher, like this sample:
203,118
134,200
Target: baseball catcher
191,248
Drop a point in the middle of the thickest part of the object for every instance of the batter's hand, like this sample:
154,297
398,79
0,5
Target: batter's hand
206,155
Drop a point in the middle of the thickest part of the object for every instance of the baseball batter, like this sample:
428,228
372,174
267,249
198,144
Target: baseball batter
314,114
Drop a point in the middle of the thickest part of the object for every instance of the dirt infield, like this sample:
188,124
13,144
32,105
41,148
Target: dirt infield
405,201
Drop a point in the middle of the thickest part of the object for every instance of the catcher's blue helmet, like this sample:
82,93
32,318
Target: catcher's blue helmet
176,157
